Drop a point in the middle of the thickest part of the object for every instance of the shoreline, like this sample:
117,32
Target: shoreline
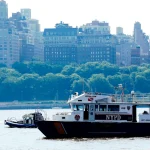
32,105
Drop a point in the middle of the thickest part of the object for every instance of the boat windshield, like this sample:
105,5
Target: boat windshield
77,107
27,116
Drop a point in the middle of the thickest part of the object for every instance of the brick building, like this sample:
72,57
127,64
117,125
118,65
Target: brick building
64,44
60,44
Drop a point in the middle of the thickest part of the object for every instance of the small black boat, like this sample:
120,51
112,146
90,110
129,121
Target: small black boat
28,121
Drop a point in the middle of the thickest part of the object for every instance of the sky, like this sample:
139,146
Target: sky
122,13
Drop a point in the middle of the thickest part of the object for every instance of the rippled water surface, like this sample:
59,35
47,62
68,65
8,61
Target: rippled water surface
33,139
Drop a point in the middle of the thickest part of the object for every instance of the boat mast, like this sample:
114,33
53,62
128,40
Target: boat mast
119,88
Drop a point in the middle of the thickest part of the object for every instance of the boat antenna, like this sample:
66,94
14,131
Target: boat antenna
122,92
121,88
83,85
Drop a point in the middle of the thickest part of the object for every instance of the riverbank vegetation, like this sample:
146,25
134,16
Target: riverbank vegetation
42,81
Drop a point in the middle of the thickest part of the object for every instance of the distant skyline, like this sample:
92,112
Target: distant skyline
123,13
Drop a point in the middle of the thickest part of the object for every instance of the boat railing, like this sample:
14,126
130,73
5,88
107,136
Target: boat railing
140,98
137,97
12,119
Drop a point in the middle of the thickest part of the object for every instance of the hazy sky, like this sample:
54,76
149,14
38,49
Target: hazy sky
77,12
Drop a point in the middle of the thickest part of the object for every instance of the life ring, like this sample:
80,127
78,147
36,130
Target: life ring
77,117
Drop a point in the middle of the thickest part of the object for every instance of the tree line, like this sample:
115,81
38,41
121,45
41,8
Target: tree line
30,81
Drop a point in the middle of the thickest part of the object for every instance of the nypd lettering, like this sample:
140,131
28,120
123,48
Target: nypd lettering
113,117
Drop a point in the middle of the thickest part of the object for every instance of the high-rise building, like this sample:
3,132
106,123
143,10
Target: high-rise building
135,56
3,10
92,48
34,25
141,39
64,45
21,24
39,46
60,44
34,29
96,27
26,12
119,31
26,46
30,38
123,52
9,46
95,43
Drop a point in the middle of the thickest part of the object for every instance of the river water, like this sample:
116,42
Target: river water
33,139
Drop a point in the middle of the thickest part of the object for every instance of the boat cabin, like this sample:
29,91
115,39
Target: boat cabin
28,119
32,118
96,107
100,108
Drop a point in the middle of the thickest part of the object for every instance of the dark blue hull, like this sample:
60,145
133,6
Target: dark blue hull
58,129
19,125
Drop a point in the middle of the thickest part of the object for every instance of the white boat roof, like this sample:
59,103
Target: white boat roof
91,97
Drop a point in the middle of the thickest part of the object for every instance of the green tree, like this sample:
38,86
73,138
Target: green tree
68,70
124,70
114,80
27,86
109,69
100,84
133,68
141,84
147,74
21,67
40,68
80,86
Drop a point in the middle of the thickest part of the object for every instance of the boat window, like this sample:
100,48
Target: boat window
74,107
113,107
102,108
91,107
96,107
77,107
79,100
